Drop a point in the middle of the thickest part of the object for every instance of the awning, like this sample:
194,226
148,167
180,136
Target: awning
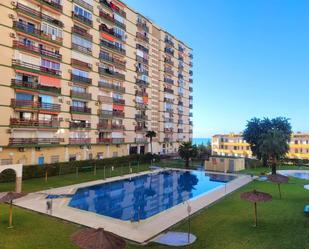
107,37
145,100
118,107
27,73
49,81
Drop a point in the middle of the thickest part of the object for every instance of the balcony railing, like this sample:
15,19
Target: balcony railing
142,83
110,59
81,79
169,61
108,114
111,46
26,28
36,50
105,99
140,128
144,49
107,72
118,114
190,80
82,49
141,105
35,141
168,100
141,140
141,93
32,67
15,103
168,90
80,95
81,64
142,60
117,9
35,86
82,19
170,110
82,32
142,26
169,51
84,4
168,80
104,140
111,19
169,71
141,117
105,29
168,130
17,122
117,140
169,42
54,4
190,89
190,106
142,37
118,101
112,87
29,11
191,72
142,71
80,125
79,140
80,109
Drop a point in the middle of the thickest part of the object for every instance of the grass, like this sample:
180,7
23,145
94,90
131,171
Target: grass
226,224
258,171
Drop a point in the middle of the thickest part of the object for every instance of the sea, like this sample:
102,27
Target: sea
199,140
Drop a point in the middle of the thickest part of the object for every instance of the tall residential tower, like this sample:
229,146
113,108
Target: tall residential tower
83,79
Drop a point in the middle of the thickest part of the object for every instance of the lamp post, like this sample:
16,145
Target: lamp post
189,225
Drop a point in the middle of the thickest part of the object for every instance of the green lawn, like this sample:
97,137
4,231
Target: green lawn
226,224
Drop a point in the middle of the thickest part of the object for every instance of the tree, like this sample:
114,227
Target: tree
256,128
274,145
151,135
187,151
204,151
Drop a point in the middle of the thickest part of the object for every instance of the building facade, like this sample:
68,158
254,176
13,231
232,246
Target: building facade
87,79
234,145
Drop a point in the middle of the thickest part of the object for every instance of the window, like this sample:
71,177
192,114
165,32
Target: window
51,30
82,42
80,73
118,18
76,103
45,99
82,12
119,32
24,96
79,89
100,155
50,64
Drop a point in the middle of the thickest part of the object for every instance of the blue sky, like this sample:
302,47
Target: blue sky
251,58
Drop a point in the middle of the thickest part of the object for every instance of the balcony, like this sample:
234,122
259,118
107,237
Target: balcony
141,106
25,104
80,79
168,90
35,68
191,123
109,114
168,130
111,46
80,141
84,4
190,80
143,26
118,101
80,125
112,87
169,51
191,56
36,50
34,86
142,83
169,81
82,32
118,114
105,29
81,64
80,95
190,106
191,97
180,131
142,60
168,100
144,49
168,140
104,140
53,4
141,117
180,103
81,19
140,128
181,49
34,13
105,99
190,114
116,9
34,141
142,71
190,89
180,58
110,73
191,73
191,64
82,49
142,37
112,20
117,140
112,60
17,122
169,61
78,109
169,110
169,71
180,67
169,42
104,126
141,140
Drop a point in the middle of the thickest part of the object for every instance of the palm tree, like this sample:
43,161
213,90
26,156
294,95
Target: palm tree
274,146
151,135
187,151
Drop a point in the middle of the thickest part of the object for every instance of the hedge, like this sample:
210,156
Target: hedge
252,163
37,171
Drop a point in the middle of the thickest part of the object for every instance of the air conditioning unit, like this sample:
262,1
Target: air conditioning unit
12,35
14,3
11,16
21,149
8,131
60,99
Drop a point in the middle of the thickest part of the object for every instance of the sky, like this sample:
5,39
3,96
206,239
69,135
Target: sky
251,58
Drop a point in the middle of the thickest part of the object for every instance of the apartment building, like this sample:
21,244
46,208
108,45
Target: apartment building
234,145
87,79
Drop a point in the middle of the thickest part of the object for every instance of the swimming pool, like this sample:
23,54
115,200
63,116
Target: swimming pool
301,174
143,196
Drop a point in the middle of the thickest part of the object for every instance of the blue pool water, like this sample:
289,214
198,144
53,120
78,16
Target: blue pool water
301,175
146,195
